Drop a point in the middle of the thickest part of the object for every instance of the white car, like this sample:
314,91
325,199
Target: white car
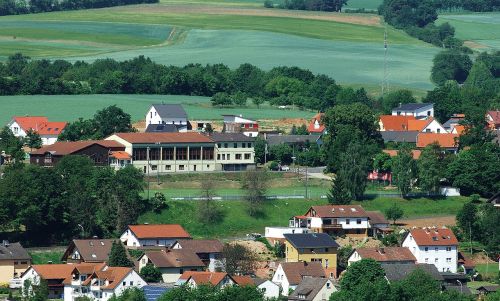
285,168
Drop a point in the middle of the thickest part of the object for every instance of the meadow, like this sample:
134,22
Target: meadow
72,107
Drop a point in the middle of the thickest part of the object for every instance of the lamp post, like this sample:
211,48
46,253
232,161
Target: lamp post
461,286
83,231
147,149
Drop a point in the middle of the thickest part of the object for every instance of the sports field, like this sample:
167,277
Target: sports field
72,107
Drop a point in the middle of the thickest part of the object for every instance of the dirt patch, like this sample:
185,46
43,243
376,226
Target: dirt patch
283,124
361,19
367,242
258,248
438,221
475,45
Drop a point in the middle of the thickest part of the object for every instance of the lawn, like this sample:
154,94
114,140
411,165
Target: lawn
44,256
366,4
488,270
71,107
237,223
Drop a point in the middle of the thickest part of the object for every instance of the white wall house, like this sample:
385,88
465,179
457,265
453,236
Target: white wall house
434,246
288,275
153,235
434,127
209,251
238,124
269,288
168,114
415,109
234,151
281,280
48,131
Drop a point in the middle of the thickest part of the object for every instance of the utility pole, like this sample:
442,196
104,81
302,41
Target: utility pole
385,86
148,168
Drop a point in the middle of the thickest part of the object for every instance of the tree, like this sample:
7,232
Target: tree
118,256
282,153
467,220
302,130
339,193
450,65
111,120
260,149
254,184
343,255
129,294
480,77
238,259
11,145
150,273
158,202
221,99
208,211
239,98
404,169
382,162
363,271
129,184
33,139
395,98
394,213
431,168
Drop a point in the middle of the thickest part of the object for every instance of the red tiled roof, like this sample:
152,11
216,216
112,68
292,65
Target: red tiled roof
243,280
321,128
394,152
395,122
120,155
40,124
62,148
467,262
159,231
419,124
61,271
495,115
189,137
459,129
443,139
434,237
377,217
337,211
387,254
114,275
213,278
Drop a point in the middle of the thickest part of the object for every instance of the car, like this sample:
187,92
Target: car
285,168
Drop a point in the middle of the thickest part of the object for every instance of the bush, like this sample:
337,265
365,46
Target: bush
273,165
150,273
268,4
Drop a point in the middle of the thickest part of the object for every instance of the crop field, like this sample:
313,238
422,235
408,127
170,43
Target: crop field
483,29
366,4
72,107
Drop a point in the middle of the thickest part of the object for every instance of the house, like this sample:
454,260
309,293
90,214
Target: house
172,263
316,126
495,200
400,136
399,271
418,110
238,124
488,289
378,224
242,280
153,235
119,159
295,141
351,220
168,114
208,250
447,141
394,152
437,246
313,289
235,151
394,122
168,152
161,128
88,250
274,235
288,275
48,130
385,255
14,261
466,264
427,125
269,288
454,120
216,279
493,119
96,150
312,247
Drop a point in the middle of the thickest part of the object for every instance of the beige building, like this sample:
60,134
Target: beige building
235,151
14,260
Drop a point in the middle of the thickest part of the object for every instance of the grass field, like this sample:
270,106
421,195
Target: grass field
44,256
237,223
489,270
71,107
480,28
366,4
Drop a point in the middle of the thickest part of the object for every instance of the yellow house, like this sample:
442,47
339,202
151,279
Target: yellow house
312,247
14,260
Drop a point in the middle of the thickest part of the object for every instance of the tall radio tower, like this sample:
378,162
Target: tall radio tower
385,85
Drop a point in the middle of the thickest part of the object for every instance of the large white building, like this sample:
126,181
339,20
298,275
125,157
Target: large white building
434,246
168,114
418,110
48,130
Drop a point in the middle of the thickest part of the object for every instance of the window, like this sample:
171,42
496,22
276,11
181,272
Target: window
144,261
223,156
436,249
235,145
208,165
24,262
248,156
229,156
139,154
131,283
219,145
427,260
428,130
168,167
436,260
249,144
448,259
181,153
124,283
347,221
181,167
218,156
238,156
194,153
208,153
154,154
426,249
448,249
167,153
358,221
154,167
328,285
439,130
181,271
225,145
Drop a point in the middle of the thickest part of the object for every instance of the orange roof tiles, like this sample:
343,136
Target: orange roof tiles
387,254
159,231
120,155
419,124
394,152
243,280
114,275
189,137
61,271
434,237
312,129
40,124
444,139
213,278
459,129
395,122
337,211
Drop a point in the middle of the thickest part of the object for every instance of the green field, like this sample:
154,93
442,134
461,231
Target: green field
237,223
481,28
71,107
46,256
366,4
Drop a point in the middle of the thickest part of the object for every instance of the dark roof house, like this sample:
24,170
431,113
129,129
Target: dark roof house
292,139
296,271
400,136
176,258
161,128
311,240
88,250
399,271
13,251
309,288
170,110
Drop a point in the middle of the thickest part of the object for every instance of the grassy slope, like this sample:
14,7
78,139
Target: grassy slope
71,107
276,213
43,257
483,28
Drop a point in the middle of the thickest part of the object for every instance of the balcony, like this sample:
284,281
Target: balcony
76,282
95,288
332,226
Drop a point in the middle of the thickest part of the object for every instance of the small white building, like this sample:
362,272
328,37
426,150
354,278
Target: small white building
415,109
275,234
168,114
434,246
288,275
269,288
48,130
164,235
238,124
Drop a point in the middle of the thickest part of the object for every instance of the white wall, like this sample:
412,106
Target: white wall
436,255
326,291
353,258
434,127
280,279
422,112
17,130
270,289
152,117
277,232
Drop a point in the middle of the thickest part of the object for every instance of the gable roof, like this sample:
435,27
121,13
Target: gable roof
445,140
159,231
396,122
412,106
309,288
170,110
386,254
13,251
434,237
296,271
40,124
161,128
114,275
62,148
321,128
377,217
91,250
311,240
60,271
174,258
419,124
399,271
399,136
189,137
243,280
495,116
201,245
230,137
465,261
213,278
337,211
291,139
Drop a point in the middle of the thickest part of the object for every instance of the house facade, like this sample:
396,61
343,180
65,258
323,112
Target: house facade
164,235
235,151
269,288
172,263
417,110
313,289
238,124
48,130
14,261
208,250
88,250
288,275
311,247
383,255
434,246
316,126
173,114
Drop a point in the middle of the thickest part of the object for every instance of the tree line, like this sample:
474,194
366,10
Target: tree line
314,5
14,7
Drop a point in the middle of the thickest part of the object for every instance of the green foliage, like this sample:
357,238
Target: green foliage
395,98
394,213
118,256
343,255
339,193
221,99
493,296
391,240
150,273
239,259
361,272
33,139
135,254
158,202
404,169
130,294
11,145
282,153
467,221
432,165
450,65
208,211
254,184
260,149
382,162
205,292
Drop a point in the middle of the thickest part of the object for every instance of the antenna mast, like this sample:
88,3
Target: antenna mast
385,85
